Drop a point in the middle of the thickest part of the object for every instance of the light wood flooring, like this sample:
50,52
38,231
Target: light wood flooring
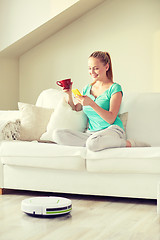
92,218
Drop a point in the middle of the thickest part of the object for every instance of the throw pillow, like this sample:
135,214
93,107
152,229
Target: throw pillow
11,130
124,118
65,118
34,121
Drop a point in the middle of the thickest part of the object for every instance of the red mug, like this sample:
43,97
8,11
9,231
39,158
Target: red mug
66,83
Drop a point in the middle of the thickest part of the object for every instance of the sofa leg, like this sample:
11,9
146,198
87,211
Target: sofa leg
1,191
158,198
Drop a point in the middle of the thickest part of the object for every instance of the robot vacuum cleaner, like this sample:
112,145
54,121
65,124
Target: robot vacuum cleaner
46,206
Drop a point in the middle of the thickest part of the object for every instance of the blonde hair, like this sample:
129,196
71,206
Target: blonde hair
105,58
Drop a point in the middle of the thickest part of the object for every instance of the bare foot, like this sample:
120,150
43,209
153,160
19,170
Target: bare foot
128,144
133,143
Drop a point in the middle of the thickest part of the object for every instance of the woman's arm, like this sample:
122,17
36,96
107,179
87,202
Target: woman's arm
76,107
108,116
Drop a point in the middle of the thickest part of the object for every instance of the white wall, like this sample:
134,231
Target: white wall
156,61
20,17
129,30
9,83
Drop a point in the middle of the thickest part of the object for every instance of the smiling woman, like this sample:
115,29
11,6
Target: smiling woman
100,102
104,57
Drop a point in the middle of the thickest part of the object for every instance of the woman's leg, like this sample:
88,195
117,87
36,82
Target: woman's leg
70,137
111,137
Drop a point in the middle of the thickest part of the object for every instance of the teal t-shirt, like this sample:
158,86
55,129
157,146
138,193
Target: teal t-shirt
95,122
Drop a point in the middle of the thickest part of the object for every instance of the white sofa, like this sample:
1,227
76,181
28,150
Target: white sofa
122,172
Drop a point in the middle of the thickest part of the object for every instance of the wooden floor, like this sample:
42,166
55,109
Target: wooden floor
95,218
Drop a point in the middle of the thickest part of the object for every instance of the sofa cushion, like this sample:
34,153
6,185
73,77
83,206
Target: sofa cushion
43,155
49,98
64,117
124,160
143,117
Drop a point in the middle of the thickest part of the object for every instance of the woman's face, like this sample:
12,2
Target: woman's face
97,69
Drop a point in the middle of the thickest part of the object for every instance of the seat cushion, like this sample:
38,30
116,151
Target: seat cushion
124,160
43,155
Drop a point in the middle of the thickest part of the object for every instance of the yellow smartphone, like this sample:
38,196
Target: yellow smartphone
76,92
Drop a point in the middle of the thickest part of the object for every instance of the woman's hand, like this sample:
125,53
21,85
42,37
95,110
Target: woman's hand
70,99
84,100
68,91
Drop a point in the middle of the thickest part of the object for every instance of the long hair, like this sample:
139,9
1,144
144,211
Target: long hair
105,58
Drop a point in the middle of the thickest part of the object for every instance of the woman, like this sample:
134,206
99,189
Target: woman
101,102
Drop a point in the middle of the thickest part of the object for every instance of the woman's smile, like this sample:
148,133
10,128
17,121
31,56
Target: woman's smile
94,75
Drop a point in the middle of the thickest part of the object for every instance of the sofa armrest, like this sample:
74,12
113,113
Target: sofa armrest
9,114
1,174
